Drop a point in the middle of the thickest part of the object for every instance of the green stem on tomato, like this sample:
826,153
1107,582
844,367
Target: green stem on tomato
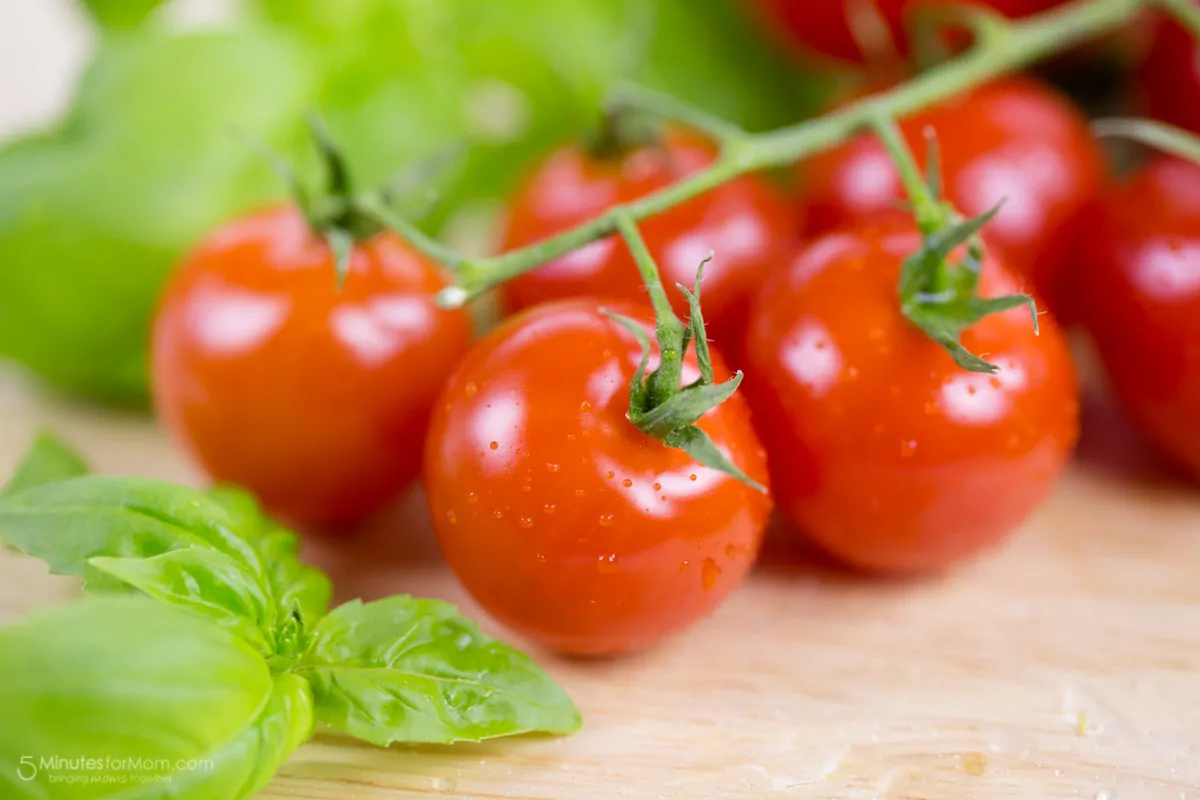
1023,43
1159,135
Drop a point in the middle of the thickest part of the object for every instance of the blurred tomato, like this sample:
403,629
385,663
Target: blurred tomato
865,31
1139,281
881,449
1170,75
315,398
745,223
1014,140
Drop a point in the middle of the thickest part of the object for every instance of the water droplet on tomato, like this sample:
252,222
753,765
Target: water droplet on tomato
451,517
994,382
525,522
683,565
663,498
606,353
692,477
610,474
570,437
710,573
549,508
579,492
627,483
494,445
908,448
472,498
498,514
657,487
527,487
607,564
470,389
606,521
585,406
540,558
551,467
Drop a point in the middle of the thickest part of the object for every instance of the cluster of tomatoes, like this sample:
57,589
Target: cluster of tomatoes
574,527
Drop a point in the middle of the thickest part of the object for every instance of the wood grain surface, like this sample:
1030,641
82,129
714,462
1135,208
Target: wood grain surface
1065,665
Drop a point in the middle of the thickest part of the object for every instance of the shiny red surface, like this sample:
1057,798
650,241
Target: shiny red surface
882,450
746,224
562,519
1170,75
315,399
1015,140
1139,281
822,27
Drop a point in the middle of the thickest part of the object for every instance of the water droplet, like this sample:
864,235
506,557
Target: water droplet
472,498
971,390
1058,773
444,784
570,437
498,514
607,564
658,487
585,406
931,407
1106,794
821,344
994,382
974,764
606,521
908,448
470,389
683,565
494,445
579,492
527,487
710,573
525,522
732,550
663,498
610,474
451,517
692,477
540,558
549,508
551,467
606,353
627,483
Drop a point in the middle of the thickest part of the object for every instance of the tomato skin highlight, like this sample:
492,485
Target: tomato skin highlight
314,398
882,450
1015,140
745,222
563,520
1170,76
1139,279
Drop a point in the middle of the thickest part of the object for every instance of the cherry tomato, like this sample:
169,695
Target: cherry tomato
563,520
1014,140
1139,278
315,398
745,223
882,450
1170,75
824,27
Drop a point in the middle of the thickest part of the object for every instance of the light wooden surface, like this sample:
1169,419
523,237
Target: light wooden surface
1065,665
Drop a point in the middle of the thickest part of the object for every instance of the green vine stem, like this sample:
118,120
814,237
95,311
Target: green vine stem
1006,47
1158,135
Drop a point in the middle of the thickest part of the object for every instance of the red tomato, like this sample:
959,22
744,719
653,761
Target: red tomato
1139,281
824,27
1170,76
315,398
563,520
1014,140
881,449
745,223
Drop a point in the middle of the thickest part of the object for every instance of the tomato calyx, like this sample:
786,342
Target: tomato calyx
938,297
658,405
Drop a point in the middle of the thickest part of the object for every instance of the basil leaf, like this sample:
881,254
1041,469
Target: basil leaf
297,587
125,696
66,523
205,581
49,459
411,670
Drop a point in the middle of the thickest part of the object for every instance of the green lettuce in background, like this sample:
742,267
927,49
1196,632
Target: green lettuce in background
96,211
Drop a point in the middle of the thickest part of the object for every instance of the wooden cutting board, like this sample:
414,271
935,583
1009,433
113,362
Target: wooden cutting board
1066,665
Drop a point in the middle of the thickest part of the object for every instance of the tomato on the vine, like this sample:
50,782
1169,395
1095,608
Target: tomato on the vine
882,449
1014,140
851,30
314,397
561,518
745,222
1139,284
1170,75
